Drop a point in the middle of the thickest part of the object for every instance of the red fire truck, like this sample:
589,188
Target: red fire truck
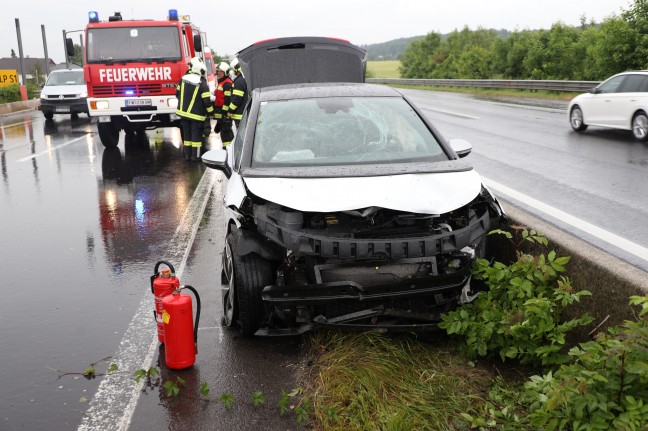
131,68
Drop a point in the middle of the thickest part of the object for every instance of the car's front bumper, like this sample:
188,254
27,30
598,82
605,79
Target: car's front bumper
64,106
408,303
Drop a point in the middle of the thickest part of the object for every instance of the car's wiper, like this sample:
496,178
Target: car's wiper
160,59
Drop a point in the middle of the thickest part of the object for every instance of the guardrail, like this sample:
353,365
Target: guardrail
519,84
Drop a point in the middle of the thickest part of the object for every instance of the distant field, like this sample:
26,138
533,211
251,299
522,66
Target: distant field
383,69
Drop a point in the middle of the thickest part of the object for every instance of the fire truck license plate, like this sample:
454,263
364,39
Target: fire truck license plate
138,102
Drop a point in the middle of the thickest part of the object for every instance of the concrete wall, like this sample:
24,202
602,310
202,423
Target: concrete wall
611,280
9,108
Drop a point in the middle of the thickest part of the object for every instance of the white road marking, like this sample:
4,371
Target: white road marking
114,403
56,147
576,222
456,114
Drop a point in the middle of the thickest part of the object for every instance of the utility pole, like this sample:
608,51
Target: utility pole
67,59
23,86
45,49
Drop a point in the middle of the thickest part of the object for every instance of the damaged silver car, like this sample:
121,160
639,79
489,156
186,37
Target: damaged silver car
345,207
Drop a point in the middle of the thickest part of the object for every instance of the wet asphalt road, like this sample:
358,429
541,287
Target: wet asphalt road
82,227
597,176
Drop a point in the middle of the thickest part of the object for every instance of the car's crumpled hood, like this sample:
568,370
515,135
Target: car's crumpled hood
434,193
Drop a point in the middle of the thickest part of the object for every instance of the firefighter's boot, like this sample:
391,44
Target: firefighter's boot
187,152
195,154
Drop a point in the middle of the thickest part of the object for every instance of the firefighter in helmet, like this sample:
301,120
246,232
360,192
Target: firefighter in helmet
194,107
239,94
223,94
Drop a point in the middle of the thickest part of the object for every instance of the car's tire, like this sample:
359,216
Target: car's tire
247,276
640,126
576,119
228,292
108,135
48,115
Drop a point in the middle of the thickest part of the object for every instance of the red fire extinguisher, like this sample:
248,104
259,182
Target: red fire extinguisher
180,334
162,284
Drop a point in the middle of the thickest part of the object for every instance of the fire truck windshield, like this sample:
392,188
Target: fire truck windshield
137,43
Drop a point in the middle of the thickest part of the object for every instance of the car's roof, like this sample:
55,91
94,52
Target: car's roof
333,89
67,70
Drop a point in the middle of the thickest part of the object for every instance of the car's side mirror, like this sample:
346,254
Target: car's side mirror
461,147
217,159
595,90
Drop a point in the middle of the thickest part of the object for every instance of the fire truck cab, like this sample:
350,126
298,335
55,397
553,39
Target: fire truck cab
131,68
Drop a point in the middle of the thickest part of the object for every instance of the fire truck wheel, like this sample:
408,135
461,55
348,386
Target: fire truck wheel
108,134
251,273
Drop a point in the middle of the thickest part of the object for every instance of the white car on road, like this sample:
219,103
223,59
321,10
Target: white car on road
620,102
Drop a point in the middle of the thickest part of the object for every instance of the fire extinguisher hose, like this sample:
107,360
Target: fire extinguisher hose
195,292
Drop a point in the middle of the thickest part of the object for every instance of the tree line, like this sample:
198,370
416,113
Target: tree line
593,51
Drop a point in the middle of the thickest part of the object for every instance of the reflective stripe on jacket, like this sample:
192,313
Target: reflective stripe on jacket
194,100
239,97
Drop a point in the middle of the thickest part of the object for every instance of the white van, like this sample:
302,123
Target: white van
65,92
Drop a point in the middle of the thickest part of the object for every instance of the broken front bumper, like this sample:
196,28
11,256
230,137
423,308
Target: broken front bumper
410,303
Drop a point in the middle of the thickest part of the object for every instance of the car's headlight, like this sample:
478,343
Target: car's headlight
172,102
84,94
99,104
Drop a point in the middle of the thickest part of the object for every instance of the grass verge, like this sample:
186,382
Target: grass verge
369,381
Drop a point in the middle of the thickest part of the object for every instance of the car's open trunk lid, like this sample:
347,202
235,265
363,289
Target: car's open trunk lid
295,60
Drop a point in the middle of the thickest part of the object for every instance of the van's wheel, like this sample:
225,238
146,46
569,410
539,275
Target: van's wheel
640,126
576,119
108,134
246,277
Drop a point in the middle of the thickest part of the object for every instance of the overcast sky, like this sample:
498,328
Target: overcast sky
232,25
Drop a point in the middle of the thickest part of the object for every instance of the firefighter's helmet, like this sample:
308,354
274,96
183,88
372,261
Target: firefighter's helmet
234,65
223,67
197,66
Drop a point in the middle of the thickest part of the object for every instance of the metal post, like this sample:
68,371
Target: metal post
67,60
81,45
23,87
45,49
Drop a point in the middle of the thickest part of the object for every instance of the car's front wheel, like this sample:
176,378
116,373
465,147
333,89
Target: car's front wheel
576,119
640,126
246,276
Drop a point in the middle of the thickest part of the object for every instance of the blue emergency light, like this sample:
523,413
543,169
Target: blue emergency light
93,16
173,14
130,92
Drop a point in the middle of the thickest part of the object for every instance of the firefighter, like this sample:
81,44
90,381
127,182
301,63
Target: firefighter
223,94
194,106
239,94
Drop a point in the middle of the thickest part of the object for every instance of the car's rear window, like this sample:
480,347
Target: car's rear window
342,131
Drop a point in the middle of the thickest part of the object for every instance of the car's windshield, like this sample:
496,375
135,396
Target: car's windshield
333,131
66,78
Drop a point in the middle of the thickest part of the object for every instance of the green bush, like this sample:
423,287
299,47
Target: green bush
519,317
604,388
11,93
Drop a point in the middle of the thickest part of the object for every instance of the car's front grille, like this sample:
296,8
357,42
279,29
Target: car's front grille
65,96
